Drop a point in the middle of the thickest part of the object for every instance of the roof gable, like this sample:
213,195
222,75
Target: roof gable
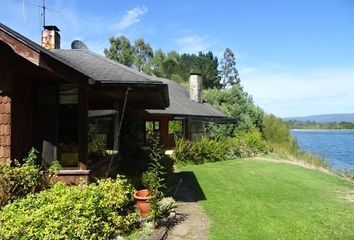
182,105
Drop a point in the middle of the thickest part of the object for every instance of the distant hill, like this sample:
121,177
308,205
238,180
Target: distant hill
322,118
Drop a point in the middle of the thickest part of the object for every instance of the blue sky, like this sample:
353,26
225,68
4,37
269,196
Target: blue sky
295,58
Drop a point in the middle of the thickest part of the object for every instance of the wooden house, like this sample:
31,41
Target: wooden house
46,94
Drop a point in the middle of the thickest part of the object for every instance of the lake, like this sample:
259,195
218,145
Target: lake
335,146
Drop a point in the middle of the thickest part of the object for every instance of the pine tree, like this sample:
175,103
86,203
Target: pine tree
229,73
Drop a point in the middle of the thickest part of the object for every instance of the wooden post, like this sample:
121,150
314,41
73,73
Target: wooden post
83,128
116,122
186,129
164,131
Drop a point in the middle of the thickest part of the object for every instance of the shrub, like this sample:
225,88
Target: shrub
96,211
21,179
205,150
246,145
199,152
277,134
280,141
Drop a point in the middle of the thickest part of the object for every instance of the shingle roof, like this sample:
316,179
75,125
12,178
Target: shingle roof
36,47
181,105
96,67
102,69
88,63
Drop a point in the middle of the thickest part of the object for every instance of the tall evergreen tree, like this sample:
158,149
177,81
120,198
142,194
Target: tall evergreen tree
209,69
229,73
120,50
171,66
203,63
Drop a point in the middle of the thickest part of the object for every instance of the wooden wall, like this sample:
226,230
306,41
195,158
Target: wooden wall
5,128
5,116
21,117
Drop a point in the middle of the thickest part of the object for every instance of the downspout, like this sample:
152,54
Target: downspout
117,128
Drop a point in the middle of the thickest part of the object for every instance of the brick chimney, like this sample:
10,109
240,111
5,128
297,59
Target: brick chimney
51,37
195,87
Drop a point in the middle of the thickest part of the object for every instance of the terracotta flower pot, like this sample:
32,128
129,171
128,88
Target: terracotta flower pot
142,201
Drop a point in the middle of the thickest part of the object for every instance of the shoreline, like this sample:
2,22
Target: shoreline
316,129
302,163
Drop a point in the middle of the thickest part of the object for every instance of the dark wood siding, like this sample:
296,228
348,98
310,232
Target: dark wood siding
5,128
21,117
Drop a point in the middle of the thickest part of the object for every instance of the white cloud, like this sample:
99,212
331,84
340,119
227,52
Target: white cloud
296,93
132,16
193,44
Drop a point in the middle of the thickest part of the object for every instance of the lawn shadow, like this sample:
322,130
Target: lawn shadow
186,187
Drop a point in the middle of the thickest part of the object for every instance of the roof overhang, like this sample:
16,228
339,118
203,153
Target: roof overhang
139,96
152,95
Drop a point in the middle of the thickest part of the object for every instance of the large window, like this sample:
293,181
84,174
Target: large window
55,122
68,147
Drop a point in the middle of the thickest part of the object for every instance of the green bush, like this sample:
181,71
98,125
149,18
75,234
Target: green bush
199,152
281,142
246,145
21,179
97,211
205,150
276,132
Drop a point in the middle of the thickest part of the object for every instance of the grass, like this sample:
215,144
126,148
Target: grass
250,199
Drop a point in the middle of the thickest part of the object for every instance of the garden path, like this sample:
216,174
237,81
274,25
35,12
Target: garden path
192,222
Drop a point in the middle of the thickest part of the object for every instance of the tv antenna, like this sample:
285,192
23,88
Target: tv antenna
43,8
43,12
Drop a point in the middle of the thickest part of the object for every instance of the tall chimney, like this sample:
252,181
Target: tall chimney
51,37
195,87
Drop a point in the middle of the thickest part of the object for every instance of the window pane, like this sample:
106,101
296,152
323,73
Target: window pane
100,138
68,94
68,148
175,127
152,130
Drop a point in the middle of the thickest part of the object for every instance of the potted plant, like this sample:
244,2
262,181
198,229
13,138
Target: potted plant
153,181
142,198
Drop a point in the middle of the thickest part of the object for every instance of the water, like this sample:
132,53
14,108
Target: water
335,146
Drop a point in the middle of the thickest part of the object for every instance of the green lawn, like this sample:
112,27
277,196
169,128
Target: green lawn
251,199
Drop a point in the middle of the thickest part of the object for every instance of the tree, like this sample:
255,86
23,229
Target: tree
171,66
154,66
235,104
142,54
203,63
120,50
229,73
209,68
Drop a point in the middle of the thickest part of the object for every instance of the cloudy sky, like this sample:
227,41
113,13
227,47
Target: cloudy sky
295,58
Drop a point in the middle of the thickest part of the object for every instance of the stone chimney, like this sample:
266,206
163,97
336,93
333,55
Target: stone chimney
51,37
195,87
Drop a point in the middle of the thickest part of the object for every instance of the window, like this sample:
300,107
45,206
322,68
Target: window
175,129
55,122
100,138
68,147
152,130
